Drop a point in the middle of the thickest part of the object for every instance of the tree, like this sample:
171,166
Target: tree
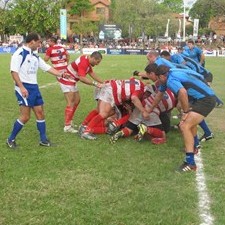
41,16
174,5
204,10
82,26
149,18
4,19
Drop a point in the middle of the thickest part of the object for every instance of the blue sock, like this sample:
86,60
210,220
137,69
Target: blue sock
196,141
205,128
16,129
190,158
41,126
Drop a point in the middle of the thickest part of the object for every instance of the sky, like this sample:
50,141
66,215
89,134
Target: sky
189,3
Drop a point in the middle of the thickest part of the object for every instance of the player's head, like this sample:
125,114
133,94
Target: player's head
165,54
190,44
33,41
162,72
150,70
152,56
52,40
95,58
179,49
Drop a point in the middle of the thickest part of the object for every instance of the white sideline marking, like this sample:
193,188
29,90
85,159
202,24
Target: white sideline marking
204,199
47,85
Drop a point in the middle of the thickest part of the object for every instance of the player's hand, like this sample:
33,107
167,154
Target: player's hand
135,73
24,92
66,75
145,115
99,85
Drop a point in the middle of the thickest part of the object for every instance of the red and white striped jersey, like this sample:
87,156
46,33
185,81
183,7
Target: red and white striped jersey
78,68
123,90
166,104
58,56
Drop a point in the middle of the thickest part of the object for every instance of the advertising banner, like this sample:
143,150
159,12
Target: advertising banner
110,32
195,28
63,24
7,50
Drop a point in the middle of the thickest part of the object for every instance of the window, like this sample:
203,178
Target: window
100,10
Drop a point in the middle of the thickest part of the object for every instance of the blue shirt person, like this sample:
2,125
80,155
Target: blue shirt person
194,52
197,100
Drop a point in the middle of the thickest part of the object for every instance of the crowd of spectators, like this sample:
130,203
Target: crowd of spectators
208,42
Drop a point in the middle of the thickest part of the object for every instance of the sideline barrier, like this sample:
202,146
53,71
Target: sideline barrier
10,50
116,51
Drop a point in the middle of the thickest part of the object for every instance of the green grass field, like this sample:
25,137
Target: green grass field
81,182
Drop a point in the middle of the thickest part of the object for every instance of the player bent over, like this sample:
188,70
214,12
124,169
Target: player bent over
115,93
156,124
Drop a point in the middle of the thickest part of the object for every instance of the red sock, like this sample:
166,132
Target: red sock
88,118
74,110
127,132
96,120
68,115
122,120
100,128
155,132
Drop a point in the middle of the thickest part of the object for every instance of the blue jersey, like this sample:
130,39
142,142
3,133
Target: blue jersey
194,53
188,79
177,58
195,66
161,61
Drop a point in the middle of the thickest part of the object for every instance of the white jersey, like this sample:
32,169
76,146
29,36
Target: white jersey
26,64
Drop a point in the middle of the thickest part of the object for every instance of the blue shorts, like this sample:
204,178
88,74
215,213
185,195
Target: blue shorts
34,97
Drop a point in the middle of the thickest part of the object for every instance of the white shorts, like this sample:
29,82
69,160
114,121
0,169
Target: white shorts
106,95
137,118
68,88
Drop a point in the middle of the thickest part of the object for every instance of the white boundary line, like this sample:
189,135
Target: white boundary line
204,199
47,85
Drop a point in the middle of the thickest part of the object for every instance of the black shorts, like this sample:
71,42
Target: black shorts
208,76
165,119
203,106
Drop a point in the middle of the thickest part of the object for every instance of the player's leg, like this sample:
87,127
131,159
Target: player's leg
18,125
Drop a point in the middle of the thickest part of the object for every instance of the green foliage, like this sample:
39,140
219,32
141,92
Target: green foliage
204,10
78,7
149,17
41,16
174,5
82,26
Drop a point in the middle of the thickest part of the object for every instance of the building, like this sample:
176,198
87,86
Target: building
217,24
100,12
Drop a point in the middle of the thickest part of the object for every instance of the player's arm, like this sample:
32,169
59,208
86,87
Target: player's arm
157,99
67,57
18,82
46,58
136,101
47,55
183,100
95,77
143,75
58,73
202,58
